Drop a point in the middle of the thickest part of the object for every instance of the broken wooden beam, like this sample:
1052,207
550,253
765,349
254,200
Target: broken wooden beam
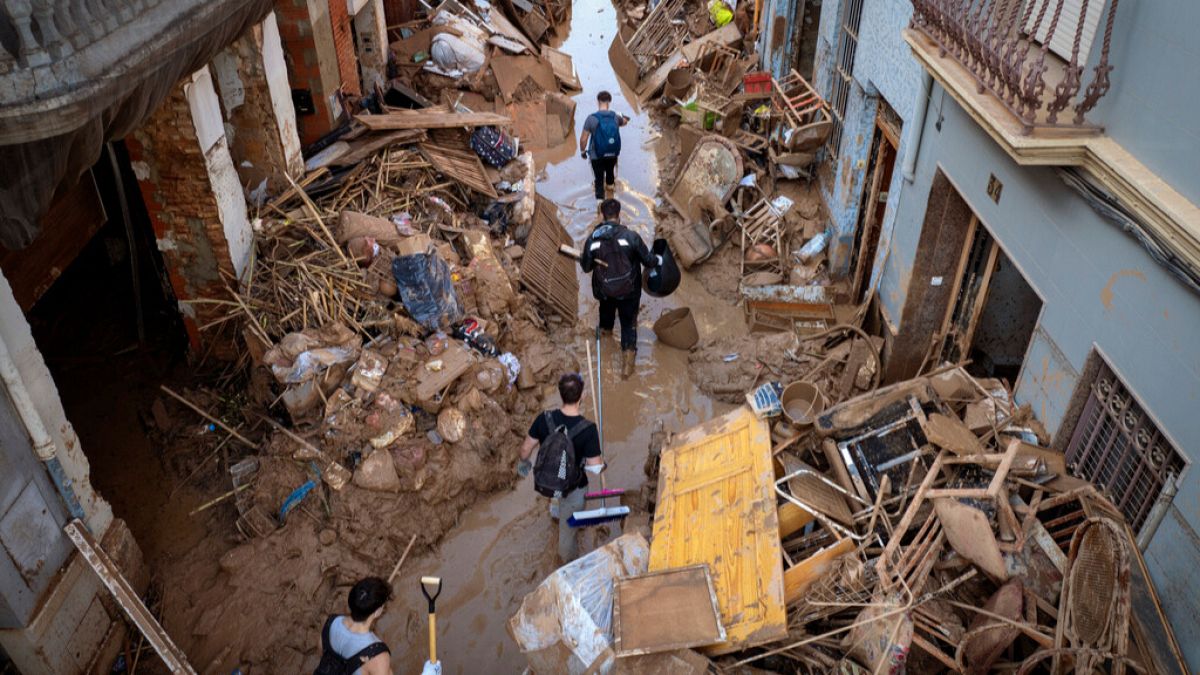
424,119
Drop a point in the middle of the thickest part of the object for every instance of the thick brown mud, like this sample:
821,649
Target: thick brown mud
503,547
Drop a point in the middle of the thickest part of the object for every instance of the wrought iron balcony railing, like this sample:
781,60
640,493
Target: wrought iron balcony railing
1004,45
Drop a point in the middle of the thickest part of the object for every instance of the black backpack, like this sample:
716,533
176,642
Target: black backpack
333,663
617,280
556,470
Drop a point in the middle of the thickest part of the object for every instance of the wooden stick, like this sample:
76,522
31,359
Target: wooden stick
199,411
573,252
213,502
400,562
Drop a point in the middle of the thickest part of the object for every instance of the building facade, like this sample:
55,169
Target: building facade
1043,226
203,107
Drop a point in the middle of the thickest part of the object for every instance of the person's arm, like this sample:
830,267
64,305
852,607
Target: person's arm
648,259
587,261
622,120
528,447
380,664
584,136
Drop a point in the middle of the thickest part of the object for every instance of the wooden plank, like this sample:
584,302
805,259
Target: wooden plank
792,519
800,576
172,656
666,610
362,149
717,506
422,119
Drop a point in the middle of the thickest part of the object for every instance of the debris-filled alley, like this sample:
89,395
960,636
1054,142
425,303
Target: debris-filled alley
610,336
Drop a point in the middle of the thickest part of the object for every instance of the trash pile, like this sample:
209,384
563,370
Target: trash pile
742,136
922,526
404,315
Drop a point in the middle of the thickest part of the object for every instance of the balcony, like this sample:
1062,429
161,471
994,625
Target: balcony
1029,56
77,73
1019,69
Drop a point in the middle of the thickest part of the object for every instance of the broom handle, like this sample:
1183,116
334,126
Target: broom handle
599,393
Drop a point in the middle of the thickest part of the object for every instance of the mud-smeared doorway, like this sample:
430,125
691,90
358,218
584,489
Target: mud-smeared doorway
108,344
994,312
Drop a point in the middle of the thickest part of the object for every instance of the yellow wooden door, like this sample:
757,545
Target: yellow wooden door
716,505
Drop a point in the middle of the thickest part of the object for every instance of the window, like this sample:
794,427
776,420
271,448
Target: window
1117,446
1063,42
843,69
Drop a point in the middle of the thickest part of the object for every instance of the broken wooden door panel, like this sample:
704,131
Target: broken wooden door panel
717,506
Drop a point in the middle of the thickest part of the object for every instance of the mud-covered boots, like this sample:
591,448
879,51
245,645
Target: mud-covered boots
628,360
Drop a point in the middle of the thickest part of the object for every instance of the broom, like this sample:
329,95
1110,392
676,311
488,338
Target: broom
604,514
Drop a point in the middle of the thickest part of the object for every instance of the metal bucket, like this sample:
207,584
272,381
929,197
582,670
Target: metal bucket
677,328
802,403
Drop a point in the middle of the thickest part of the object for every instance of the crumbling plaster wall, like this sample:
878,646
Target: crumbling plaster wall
1101,291
883,67
260,120
195,202
314,61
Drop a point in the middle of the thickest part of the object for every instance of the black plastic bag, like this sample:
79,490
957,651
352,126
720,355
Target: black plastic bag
427,290
661,280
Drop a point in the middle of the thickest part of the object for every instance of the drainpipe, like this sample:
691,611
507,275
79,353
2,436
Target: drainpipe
43,444
917,128
1158,512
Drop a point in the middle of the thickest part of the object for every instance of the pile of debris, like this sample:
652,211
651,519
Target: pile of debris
404,314
921,526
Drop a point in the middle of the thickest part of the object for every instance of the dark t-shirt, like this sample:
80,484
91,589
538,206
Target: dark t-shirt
587,443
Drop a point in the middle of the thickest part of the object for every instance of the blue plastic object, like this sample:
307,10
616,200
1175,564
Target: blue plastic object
295,498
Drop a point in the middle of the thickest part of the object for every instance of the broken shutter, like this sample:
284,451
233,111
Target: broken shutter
1063,41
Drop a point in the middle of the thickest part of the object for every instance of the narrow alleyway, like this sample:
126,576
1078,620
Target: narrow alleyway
504,546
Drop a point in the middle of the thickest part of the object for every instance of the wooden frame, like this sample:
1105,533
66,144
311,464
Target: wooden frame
683,644
962,340
869,224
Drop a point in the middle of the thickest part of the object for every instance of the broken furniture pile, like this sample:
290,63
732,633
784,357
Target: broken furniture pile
920,526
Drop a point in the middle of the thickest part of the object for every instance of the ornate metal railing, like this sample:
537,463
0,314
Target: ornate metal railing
995,41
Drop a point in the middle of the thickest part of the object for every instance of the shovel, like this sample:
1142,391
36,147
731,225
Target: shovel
431,588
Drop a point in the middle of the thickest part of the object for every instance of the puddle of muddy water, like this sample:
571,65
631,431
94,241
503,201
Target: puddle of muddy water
504,546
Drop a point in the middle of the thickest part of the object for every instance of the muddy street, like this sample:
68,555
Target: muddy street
504,546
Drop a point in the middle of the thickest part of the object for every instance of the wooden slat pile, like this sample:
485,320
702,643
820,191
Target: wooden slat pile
548,275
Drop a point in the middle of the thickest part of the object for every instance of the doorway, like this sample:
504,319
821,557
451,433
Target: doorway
993,312
885,140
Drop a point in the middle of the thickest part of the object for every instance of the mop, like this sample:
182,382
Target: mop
606,513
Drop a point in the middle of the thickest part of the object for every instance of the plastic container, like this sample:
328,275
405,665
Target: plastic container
677,328
757,83
802,403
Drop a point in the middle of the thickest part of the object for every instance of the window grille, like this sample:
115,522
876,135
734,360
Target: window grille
1119,448
843,70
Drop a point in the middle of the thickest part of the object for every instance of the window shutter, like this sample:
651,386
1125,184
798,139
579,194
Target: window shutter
1068,22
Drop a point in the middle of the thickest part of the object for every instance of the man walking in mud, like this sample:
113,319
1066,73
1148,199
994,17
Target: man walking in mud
613,254
568,446
601,142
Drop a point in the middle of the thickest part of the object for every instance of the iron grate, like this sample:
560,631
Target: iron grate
844,70
1118,447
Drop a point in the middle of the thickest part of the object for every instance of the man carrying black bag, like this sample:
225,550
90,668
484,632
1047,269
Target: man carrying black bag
614,255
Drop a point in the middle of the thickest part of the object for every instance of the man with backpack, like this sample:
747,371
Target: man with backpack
601,142
349,646
613,254
568,448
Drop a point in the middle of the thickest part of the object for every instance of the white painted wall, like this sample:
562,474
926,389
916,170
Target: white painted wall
15,331
370,26
271,48
222,175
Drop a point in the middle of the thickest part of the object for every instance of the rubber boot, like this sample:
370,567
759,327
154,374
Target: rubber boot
610,191
628,361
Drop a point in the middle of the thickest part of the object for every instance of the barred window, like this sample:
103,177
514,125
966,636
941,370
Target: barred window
847,48
1118,447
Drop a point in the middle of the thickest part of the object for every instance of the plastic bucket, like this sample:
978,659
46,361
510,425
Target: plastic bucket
802,403
679,83
677,328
